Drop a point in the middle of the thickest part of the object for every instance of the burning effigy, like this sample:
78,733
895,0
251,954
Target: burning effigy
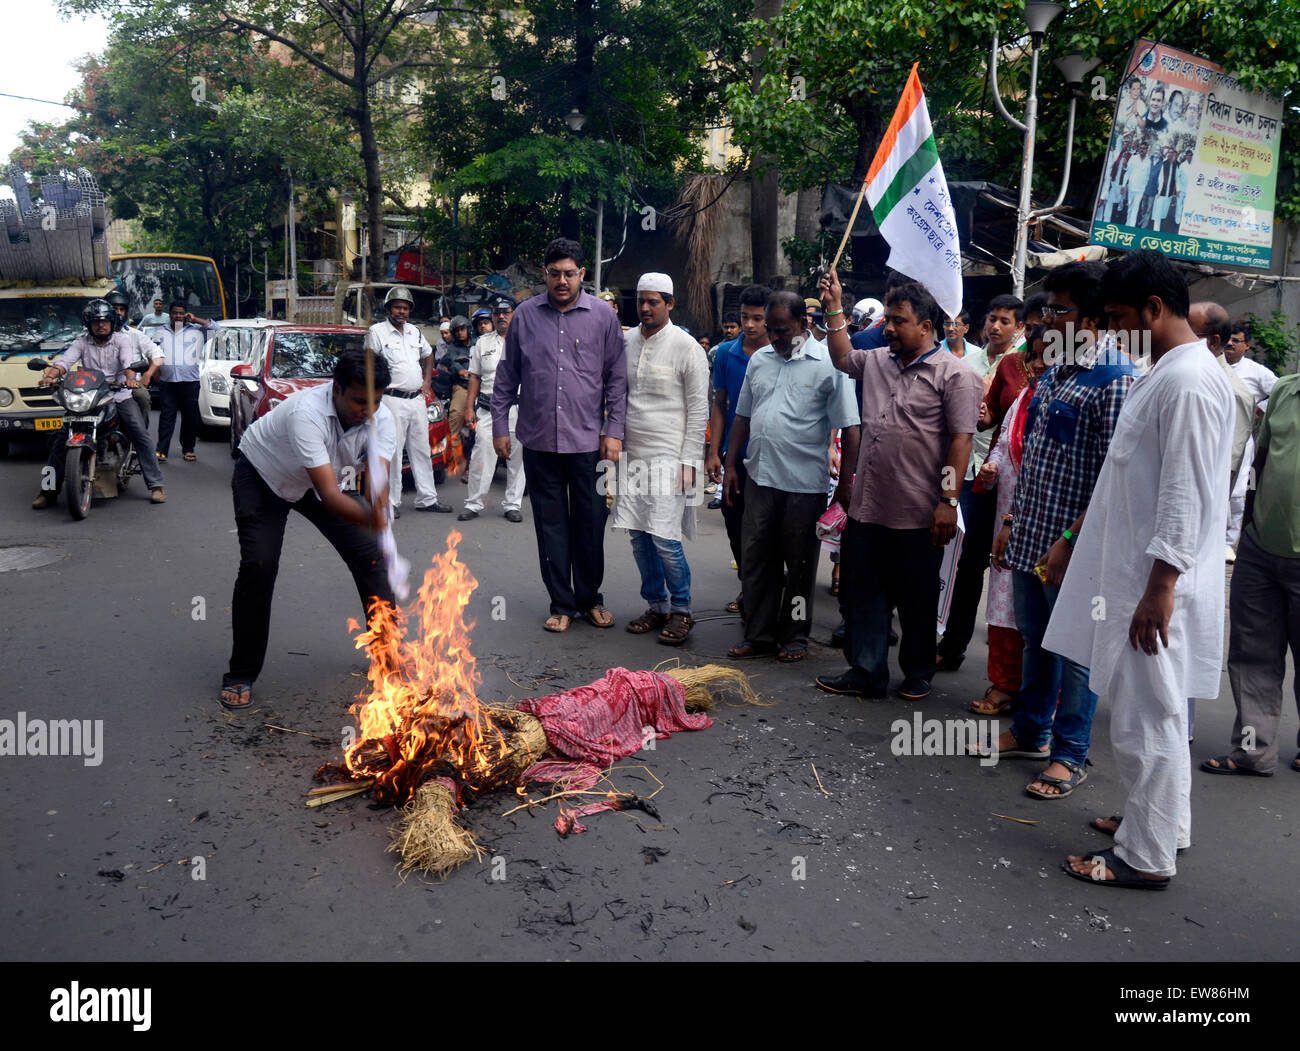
425,742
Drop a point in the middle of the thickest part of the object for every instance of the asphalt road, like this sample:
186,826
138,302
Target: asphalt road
901,857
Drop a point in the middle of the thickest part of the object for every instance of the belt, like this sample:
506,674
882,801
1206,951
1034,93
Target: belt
403,393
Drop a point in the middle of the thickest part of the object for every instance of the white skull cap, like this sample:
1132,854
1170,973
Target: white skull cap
661,283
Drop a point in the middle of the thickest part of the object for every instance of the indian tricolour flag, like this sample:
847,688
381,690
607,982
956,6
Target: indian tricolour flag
908,196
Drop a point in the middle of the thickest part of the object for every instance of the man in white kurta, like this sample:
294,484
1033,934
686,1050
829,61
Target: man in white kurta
1142,601
663,446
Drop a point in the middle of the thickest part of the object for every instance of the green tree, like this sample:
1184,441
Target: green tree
647,78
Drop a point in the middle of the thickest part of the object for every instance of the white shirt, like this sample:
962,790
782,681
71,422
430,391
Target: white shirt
663,430
1259,380
402,350
143,345
1162,494
484,359
303,432
183,351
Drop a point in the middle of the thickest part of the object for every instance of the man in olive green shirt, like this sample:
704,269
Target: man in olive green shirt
1264,606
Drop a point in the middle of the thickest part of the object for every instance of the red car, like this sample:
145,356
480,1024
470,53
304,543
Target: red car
289,358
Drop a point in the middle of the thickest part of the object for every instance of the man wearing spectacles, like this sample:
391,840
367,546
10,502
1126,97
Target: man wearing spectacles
564,366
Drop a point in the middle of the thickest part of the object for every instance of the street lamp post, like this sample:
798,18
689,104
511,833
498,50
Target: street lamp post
1039,14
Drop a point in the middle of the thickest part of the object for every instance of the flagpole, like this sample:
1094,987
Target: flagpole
849,229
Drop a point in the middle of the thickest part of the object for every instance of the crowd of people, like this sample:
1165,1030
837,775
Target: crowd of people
1092,450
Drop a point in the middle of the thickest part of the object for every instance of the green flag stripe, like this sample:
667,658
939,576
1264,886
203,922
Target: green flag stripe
925,158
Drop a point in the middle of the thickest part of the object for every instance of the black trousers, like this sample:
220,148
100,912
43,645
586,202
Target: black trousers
779,536
734,517
260,516
980,511
180,397
569,515
881,568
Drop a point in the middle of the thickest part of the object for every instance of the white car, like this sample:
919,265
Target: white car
232,343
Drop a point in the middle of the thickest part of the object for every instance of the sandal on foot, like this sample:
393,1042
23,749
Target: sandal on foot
1117,818
188,457
1224,768
557,622
835,582
750,650
1078,775
677,629
986,705
600,617
650,620
242,690
792,653
1125,874
984,751
734,605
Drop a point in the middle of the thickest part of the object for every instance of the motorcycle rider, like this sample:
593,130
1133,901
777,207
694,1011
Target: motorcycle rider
482,320
111,353
144,347
452,378
410,361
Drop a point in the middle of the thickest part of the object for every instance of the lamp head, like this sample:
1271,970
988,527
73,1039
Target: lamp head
575,120
1074,68
1039,14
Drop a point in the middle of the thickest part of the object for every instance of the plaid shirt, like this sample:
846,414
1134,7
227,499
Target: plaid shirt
1067,432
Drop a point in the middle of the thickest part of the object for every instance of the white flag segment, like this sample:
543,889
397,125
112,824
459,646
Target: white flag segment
909,199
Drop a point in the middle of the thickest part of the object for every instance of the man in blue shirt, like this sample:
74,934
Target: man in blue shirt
791,401
729,367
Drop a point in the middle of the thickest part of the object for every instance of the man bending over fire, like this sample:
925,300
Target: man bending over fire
291,460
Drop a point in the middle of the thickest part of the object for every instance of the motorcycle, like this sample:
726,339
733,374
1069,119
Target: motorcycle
100,458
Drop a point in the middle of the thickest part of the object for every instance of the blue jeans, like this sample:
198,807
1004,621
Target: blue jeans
1039,717
665,576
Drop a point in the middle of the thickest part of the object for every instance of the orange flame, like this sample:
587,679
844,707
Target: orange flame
422,711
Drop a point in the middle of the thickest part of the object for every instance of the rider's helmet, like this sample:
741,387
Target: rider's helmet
97,310
399,294
865,311
117,298
481,314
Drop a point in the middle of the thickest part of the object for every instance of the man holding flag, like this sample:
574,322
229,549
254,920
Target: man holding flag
919,411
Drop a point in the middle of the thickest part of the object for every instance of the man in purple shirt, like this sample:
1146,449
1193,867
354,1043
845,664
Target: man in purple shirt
564,365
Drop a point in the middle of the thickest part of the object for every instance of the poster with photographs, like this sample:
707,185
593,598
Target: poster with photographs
1192,166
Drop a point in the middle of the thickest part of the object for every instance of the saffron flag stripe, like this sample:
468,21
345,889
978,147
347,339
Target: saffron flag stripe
912,97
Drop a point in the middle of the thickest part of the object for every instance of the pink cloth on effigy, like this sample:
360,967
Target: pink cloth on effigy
609,719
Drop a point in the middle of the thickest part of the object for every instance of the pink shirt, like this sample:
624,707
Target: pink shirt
909,416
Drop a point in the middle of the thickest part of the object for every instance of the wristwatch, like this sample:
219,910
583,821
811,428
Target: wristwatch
951,501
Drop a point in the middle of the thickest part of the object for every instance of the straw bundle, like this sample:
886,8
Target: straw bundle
430,839
706,686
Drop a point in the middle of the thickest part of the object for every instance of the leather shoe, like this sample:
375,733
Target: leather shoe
465,516
43,501
848,685
442,509
513,515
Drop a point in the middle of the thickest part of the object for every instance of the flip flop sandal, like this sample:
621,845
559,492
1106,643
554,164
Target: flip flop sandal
1295,763
599,617
1224,768
1125,874
734,605
1017,752
1117,818
241,689
557,623
189,457
650,620
748,651
1078,775
793,653
677,630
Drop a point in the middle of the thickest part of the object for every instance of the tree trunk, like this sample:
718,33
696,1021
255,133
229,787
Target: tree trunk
374,187
764,193
866,118
584,65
